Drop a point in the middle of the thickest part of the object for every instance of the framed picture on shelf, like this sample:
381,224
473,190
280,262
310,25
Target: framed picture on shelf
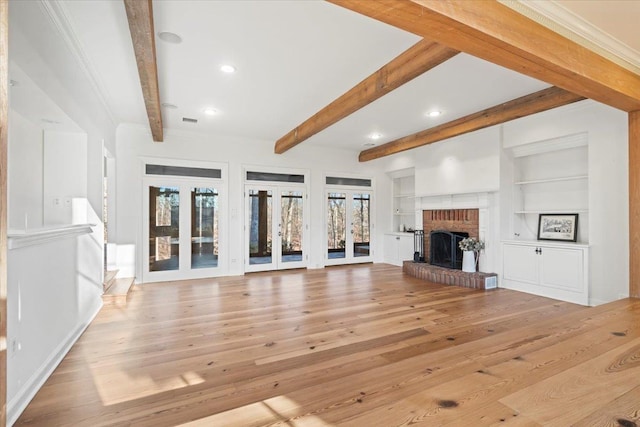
561,227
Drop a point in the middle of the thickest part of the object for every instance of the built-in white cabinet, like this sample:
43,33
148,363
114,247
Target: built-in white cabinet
398,247
403,200
554,270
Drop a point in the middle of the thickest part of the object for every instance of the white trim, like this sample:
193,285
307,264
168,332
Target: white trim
275,169
549,145
56,11
402,173
456,200
547,244
572,26
170,161
22,238
370,188
27,392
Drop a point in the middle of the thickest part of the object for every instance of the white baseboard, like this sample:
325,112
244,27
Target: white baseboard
19,402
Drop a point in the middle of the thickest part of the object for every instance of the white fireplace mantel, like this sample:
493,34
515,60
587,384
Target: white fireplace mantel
454,201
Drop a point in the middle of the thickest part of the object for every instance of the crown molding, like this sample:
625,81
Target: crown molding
56,11
575,28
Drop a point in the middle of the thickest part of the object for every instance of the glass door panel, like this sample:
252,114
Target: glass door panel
348,227
260,226
360,225
164,228
336,225
183,229
291,227
275,228
204,227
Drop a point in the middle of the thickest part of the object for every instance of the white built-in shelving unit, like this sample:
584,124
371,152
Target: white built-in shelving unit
403,200
398,243
550,179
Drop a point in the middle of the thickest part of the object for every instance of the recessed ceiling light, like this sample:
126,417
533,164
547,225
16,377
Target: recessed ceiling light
434,113
210,111
375,136
226,68
169,37
368,145
169,106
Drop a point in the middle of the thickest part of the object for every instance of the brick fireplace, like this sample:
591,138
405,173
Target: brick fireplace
453,220
458,220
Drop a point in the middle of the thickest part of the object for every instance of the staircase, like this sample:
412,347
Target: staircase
116,290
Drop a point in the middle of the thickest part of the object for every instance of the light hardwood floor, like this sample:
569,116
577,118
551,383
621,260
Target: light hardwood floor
356,346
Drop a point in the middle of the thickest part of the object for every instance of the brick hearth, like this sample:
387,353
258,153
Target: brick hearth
446,276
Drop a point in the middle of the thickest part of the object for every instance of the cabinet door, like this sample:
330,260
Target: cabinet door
521,264
405,251
562,269
391,248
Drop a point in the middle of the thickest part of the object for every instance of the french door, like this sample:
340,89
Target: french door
276,227
349,226
182,229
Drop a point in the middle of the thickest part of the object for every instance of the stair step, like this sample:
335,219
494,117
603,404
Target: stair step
118,293
109,279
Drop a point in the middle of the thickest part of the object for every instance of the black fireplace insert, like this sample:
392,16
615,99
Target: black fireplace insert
445,251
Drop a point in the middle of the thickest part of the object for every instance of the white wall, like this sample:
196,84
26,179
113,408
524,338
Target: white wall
52,288
25,173
38,48
65,174
134,143
465,164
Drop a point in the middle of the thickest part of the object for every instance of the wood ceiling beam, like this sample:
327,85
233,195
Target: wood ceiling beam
529,104
415,61
496,33
634,204
140,17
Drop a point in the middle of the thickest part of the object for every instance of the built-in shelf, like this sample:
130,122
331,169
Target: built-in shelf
557,179
403,197
553,180
548,243
552,211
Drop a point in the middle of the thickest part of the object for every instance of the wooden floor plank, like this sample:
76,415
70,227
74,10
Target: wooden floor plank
360,345
570,395
621,411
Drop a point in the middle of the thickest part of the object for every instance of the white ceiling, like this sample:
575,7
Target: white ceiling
617,18
292,59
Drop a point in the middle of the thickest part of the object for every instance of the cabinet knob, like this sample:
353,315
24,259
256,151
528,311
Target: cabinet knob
397,238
